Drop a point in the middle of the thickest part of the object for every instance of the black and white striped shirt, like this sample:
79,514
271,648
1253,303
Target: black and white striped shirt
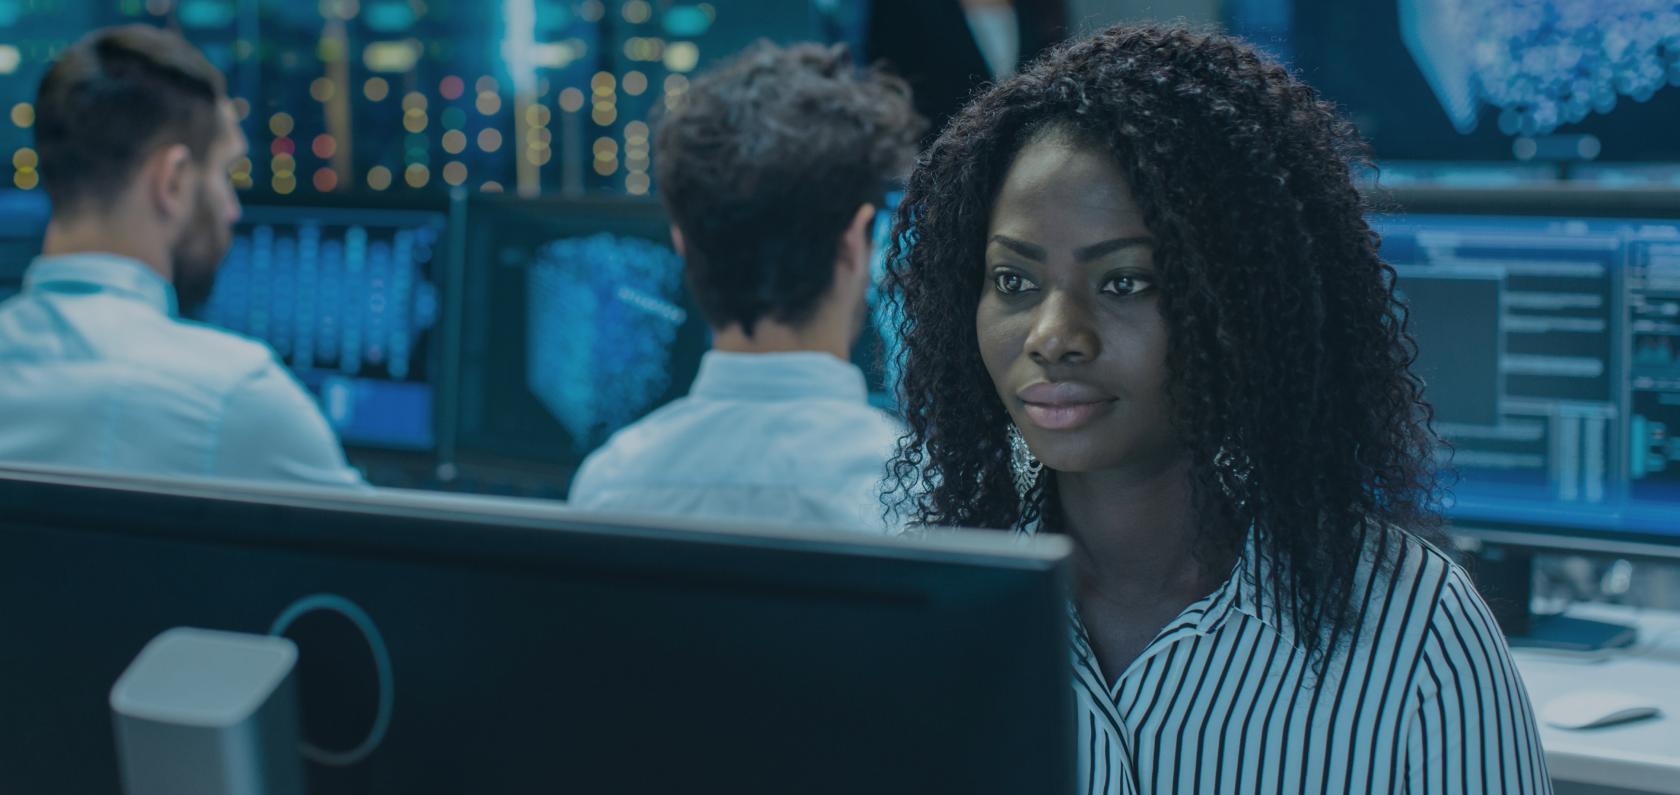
1425,700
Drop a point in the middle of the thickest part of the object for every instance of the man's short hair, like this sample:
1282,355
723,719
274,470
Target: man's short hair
114,97
764,163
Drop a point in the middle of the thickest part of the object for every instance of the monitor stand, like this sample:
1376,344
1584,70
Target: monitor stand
1505,577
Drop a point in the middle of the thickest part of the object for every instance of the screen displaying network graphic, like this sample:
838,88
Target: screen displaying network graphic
1550,351
348,298
1489,80
1541,64
603,313
577,322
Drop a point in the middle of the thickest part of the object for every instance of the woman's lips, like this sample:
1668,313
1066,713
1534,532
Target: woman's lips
1063,405
1064,416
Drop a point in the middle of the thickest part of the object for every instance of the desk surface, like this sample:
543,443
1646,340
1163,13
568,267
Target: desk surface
1642,756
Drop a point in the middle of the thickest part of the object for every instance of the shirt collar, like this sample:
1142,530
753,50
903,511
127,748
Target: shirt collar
1247,591
89,272
778,376
1252,591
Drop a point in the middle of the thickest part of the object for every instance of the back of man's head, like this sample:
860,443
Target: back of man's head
764,164
111,99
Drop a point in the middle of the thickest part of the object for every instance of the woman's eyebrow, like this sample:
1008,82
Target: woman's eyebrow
1021,247
1095,250
1083,254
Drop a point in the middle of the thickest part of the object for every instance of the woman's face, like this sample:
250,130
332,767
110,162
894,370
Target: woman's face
1068,324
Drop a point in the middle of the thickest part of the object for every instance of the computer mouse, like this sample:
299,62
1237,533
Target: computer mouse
1590,709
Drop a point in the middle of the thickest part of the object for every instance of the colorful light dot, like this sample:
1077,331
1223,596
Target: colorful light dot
325,180
452,87
571,100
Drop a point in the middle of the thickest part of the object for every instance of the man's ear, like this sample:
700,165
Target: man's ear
677,240
166,178
857,241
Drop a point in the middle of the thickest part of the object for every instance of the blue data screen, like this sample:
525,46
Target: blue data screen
1550,349
349,300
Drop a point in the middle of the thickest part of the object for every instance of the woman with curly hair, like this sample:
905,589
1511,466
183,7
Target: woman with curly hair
1143,309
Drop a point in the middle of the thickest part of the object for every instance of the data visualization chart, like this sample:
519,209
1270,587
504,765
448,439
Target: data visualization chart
604,311
1487,80
1547,347
576,323
349,299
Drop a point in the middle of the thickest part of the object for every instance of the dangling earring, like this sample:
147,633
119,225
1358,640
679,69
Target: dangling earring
1022,464
1232,468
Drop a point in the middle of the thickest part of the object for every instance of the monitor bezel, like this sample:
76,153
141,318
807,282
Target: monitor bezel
519,531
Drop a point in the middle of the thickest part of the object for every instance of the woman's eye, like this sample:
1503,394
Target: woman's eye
1127,285
1010,283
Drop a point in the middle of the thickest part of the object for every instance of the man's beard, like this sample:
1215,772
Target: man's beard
198,255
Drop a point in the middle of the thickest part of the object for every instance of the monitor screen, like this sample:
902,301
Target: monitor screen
472,645
1550,350
348,296
577,323
1486,79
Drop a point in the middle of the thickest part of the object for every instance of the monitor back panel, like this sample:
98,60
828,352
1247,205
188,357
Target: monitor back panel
542,658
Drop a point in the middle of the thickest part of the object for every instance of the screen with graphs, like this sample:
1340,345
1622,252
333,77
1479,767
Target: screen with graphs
1549,351
349,299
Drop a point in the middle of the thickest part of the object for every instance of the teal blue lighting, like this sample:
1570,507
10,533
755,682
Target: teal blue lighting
686,21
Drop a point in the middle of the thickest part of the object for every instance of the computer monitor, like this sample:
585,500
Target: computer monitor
1484,81
577,323
470,645
1547,320
23,222
348,292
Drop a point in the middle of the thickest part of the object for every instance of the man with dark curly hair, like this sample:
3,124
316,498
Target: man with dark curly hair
1143,310
772,169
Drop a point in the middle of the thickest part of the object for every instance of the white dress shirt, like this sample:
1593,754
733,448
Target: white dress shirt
782,437
96,371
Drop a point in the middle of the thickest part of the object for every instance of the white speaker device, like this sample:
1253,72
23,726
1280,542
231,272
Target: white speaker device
201,712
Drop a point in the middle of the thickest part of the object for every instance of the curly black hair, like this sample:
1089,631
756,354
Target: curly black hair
762,165
1288,355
